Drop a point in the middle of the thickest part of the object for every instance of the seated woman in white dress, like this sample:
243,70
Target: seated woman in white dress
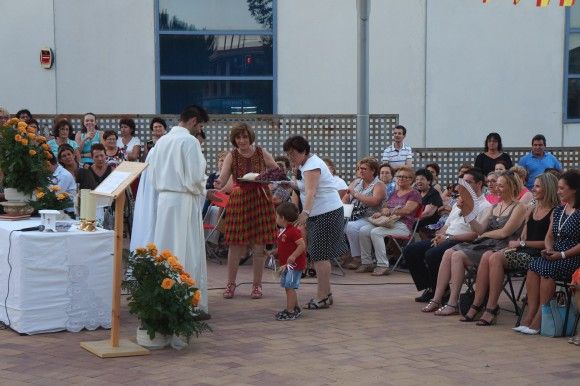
366,194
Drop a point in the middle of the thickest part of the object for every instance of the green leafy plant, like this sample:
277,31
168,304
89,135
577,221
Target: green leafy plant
24,157
162,295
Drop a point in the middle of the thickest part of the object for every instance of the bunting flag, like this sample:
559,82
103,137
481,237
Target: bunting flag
545,3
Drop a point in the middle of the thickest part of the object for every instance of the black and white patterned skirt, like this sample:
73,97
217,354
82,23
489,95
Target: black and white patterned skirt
325,235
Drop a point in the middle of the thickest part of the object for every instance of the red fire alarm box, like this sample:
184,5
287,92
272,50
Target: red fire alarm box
46,58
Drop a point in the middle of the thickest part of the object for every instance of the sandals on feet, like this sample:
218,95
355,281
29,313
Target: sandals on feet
494,312
468,318
314,304
447,310
432,306
256,291
229,291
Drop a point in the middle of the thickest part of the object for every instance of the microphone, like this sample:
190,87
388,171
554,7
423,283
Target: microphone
38,228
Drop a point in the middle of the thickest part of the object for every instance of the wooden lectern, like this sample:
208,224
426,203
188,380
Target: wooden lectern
113,188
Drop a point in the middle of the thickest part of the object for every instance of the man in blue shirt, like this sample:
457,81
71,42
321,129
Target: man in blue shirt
538,160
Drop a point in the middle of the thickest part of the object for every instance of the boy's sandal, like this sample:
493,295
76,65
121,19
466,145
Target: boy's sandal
432,306
447,310
477,309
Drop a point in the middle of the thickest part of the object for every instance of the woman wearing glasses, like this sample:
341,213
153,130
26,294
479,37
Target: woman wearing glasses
404,203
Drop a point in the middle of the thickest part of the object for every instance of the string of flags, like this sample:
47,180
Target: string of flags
545,3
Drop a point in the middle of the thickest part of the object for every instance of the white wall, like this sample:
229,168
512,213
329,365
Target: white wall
317,65
316,57
26,26
106,56
494,67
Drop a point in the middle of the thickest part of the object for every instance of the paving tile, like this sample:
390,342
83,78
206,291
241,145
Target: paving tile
373,335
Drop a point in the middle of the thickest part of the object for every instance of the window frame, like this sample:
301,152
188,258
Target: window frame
568,30
274,77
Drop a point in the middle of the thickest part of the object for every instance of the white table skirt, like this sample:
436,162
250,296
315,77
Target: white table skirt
59,281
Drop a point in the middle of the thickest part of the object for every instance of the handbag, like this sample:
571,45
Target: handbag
384,221
554,314
466,300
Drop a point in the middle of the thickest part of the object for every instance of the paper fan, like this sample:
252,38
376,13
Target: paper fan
468,197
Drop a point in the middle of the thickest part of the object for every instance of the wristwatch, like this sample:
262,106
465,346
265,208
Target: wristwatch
448,237
522,243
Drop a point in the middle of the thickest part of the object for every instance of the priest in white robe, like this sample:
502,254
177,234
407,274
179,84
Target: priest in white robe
145,212
177,173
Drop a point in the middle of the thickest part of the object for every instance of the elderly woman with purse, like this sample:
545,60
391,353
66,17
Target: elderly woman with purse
366,194
491,270
403,203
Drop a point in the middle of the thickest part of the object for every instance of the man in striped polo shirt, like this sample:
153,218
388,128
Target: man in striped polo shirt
399,153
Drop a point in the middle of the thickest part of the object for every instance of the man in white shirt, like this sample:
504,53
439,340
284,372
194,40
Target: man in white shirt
424,257
177,173
65,180
399,153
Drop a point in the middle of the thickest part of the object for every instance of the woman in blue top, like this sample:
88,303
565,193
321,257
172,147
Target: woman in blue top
87,137
61,133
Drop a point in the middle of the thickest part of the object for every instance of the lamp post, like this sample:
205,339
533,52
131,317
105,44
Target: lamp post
362,115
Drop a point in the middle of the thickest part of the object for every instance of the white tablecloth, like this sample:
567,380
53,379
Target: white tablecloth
58,281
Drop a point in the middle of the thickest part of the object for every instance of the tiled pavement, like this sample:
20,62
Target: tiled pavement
373,335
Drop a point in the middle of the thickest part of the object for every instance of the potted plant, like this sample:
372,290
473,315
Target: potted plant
24,158
51,197
163,296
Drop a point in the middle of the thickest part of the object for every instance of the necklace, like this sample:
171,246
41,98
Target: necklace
501,211
560,223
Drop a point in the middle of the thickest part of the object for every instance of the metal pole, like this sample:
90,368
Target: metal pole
362,116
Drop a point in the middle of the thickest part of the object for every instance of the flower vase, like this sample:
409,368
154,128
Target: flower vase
160,341
12,194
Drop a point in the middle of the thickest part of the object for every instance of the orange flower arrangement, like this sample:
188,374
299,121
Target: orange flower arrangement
23,157
162,294
51,197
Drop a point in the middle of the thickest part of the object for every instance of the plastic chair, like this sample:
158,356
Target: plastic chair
213,249
401,242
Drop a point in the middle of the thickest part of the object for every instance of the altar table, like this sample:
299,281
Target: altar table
58,280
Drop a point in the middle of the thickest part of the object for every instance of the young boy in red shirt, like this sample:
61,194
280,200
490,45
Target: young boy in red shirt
291,257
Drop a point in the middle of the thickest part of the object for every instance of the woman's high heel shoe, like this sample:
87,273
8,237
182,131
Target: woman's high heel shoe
477,309
492,311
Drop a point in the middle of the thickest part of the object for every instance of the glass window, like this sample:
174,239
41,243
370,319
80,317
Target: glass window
574,53
573,99
574,17
218,96
218,55
222,52
198,15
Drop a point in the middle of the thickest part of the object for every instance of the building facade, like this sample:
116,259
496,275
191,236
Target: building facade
454,70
